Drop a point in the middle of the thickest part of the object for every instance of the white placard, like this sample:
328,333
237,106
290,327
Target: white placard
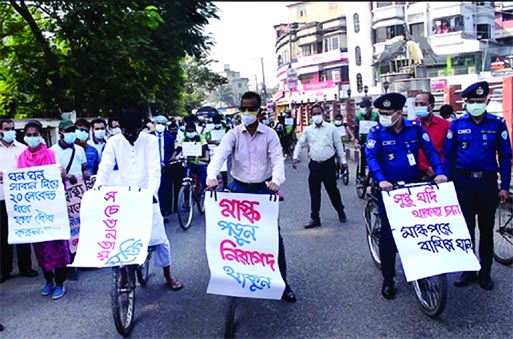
242,245
289,121
212,151
208,127
364,126
341,131
217,134
429,231
36,206
116,224
191,149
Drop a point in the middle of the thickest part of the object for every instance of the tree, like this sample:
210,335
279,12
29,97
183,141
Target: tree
98,56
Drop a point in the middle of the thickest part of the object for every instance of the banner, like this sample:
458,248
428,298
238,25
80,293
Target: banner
116,224
429,231
242,245
74,195
36,207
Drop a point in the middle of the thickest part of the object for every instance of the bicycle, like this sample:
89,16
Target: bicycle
430,292
503,233
123,292
344,175
362,183
189,195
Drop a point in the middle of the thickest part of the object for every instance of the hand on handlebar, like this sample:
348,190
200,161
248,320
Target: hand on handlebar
503,196
386,185
440,179
272,186
212,183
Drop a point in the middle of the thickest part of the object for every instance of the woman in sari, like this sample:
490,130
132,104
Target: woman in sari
52,256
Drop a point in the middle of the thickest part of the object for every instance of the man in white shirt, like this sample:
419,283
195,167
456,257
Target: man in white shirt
257,164
10,149
324,145
137,157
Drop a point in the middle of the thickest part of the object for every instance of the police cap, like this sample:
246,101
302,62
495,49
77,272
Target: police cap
365,103
477,90
390,101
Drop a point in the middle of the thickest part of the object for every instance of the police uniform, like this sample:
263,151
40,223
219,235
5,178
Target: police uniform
393,157
470,153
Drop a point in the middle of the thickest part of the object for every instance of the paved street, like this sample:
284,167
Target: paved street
329,267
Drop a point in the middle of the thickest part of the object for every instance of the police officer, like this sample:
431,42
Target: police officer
392,155
473,144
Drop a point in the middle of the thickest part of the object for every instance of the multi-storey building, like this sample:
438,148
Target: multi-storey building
341,49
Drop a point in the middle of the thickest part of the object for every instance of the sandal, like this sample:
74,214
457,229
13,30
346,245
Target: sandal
174,284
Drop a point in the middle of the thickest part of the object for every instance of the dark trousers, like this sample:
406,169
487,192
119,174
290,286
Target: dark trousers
23,251
479,197
58,275
176,173
235,187
363,161
165,190
387,248
323,173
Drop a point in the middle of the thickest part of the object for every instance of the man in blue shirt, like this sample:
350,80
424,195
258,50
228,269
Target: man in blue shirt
392,155
474,143
93,157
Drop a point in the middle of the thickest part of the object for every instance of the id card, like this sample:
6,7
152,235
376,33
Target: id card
411,159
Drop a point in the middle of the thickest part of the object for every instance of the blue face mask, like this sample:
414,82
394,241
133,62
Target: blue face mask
191,135
217,126
82,135
33,142
70,137
421,111
9,136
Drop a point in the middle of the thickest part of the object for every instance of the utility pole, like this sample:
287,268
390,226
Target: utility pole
256,84
264,89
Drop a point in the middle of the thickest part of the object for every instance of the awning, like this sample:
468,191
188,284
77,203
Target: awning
388,22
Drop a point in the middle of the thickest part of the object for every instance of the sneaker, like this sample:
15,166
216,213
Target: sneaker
58,292
47,289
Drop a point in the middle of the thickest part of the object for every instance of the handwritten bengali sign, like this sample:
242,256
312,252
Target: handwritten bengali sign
116,224
191,149
242,245
36,206
429,231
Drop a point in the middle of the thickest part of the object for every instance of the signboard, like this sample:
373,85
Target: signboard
291,78
242,245
191,149
429,231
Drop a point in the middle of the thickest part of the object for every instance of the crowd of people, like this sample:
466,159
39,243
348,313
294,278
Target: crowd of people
470,151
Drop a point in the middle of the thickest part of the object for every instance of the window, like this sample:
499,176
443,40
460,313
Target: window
330,44
386,33
356,21
483,31
306,50
358,56
359,83
417,30
301,11
306,78
448,24
384,3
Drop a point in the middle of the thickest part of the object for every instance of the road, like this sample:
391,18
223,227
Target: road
329,267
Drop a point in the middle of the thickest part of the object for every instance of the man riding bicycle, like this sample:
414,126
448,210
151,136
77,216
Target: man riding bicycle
364,120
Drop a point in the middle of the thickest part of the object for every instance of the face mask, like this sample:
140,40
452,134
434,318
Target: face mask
249,118
114,131
338,123
33,142
191,135
99,133
160,128
265,121
363,110
70,137
317,119
421,111
217,126
9,136
82,135
476,109
386,120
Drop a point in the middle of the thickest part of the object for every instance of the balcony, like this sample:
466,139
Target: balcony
387,12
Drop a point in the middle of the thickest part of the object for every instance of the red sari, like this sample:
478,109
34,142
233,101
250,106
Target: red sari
49,254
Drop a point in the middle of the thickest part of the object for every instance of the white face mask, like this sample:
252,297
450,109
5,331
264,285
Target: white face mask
82,135
476,109
115,130
160,128
9,136
386,120
317,119
99,133
248,119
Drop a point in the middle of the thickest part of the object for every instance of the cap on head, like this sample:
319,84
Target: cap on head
160,118
365,103
65,124
476,90
390,101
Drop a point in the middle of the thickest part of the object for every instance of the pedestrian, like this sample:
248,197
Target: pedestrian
93,157
166,147
214,137
137,157
392,155
476,148
10,150
114,129
99,127
447,112
435,126
254,146
325,150
52,256
363,121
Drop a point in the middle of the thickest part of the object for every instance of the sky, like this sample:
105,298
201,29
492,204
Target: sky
244,35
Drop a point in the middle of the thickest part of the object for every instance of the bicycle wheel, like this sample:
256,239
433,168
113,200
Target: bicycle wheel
200,202
361,188
431,293
123,299
229,319
185,207
503,234
345,177
143,271
372,227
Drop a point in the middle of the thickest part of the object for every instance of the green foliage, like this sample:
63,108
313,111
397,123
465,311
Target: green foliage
97,57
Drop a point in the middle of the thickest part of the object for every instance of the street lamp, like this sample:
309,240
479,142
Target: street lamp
365,89
386,85
349,93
